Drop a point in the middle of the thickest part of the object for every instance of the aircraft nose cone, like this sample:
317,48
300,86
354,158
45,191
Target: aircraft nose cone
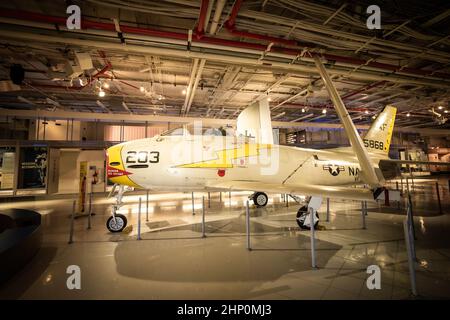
115,168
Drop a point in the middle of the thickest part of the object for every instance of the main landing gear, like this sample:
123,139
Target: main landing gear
304,213
304,220
117,222
260,199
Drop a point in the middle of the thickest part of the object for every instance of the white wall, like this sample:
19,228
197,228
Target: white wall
70,167
57,132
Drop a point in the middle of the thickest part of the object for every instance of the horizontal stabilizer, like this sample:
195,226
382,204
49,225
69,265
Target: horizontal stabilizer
412,162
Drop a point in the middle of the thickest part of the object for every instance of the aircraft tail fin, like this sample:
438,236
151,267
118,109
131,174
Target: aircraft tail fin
255,121
378,138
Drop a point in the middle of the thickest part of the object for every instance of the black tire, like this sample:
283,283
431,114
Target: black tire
301,215
121,221
260,199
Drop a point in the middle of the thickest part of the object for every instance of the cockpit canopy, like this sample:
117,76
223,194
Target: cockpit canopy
192,129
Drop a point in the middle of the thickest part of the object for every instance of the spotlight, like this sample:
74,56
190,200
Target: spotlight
303,110
106,85
440,107
446,111
269,99
366,112
324,111
183,92
101,93
408,114
142,89
373,117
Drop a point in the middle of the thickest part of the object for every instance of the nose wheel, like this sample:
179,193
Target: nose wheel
116,223
260,199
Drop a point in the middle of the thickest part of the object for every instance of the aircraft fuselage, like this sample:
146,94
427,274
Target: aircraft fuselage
197,162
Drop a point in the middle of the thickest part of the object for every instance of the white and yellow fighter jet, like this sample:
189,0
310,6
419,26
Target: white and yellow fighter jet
193,158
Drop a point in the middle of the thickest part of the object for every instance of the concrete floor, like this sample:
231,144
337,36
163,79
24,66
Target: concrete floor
173,261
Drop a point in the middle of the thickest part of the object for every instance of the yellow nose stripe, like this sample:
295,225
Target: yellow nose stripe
116,170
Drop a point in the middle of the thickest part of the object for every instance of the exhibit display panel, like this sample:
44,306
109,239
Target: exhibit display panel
32,168
7,168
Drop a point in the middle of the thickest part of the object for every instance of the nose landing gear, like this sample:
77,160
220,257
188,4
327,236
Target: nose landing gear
117,222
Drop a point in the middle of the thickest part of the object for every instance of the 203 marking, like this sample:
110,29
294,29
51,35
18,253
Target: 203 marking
142,157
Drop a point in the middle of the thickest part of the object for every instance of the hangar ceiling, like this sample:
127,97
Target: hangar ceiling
210,59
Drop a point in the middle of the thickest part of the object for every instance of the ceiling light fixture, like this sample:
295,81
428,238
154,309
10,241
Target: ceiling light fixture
183,92
106,85
324,111
440,107
101,93
142,89
408,114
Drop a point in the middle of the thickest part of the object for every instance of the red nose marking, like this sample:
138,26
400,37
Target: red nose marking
114,172
220,172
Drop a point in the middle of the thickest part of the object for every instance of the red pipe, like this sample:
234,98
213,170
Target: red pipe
181,36
232,19
245,34
202,18
368,87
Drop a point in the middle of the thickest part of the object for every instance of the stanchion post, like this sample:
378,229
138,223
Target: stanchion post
412,269
90,209
386,198
287,200
313,239
72,218
439,198
407,185
363,214
410,212
193,210
209,199
220,197
328,209
411,232
247,225
146,208
139,220
203,217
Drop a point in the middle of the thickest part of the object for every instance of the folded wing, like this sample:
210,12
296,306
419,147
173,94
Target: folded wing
310,190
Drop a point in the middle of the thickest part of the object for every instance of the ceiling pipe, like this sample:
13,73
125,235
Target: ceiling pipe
202,17
230,26
208,14
189,87
240,61
197,79
182,36
217,15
